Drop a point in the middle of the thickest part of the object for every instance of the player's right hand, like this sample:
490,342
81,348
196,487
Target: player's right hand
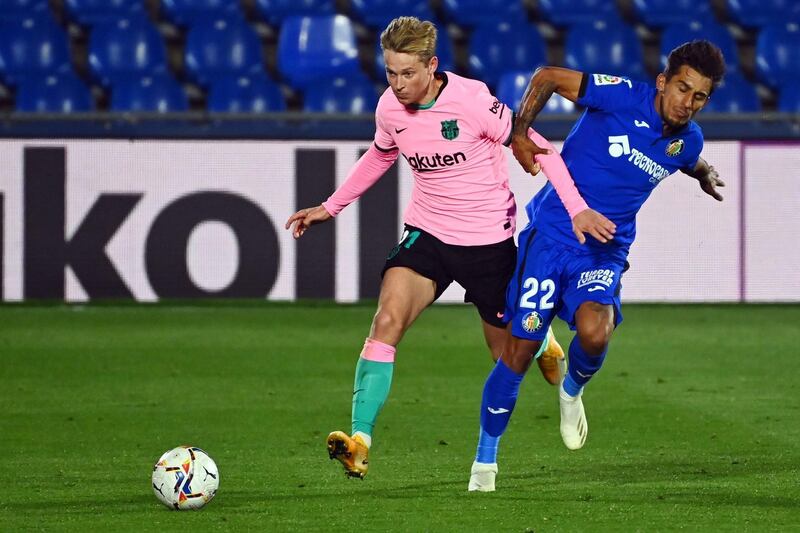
591,222
525,150
305,218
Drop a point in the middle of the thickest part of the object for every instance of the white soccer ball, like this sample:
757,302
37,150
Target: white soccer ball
185,478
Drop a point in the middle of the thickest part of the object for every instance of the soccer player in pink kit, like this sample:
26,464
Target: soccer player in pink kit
459,225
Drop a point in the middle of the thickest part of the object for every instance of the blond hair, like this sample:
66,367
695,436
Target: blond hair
410,35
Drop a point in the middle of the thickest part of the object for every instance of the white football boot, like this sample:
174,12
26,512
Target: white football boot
482,476
574,427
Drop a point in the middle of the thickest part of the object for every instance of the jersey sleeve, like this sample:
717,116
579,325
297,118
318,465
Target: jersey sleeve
494,117
693,154
367,170
609,93
557,173
383,139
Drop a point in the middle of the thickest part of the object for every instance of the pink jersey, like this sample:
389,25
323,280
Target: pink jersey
455,149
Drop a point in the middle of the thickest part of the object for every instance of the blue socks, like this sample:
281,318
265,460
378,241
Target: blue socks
499,398
582,367
487,448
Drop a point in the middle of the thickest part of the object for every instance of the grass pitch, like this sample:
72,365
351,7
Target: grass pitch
694,422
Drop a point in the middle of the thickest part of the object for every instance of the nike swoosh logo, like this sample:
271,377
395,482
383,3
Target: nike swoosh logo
400,130
596,288
581,374
641,124
499,411
500,315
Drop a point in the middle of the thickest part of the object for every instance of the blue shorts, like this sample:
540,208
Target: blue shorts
552,278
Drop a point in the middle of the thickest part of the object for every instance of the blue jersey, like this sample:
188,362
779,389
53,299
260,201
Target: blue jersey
617,154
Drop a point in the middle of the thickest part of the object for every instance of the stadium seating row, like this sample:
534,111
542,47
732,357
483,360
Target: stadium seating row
318,55
465,13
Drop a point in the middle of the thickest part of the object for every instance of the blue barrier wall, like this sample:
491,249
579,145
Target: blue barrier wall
195,125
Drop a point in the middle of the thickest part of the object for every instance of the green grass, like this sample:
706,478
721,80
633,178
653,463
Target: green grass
695,422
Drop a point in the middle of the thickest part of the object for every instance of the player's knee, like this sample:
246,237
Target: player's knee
387,324
518,355
594,339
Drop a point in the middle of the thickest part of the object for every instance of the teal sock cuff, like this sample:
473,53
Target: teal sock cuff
370,389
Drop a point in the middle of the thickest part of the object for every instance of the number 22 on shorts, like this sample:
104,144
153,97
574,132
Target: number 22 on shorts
529,298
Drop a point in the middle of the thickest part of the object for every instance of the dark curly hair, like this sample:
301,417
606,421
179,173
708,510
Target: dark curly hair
701,55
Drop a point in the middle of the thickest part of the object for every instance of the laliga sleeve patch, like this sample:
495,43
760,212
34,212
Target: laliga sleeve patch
606,79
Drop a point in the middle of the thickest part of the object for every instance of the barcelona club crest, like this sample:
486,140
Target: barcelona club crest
450,129
532,322
674,147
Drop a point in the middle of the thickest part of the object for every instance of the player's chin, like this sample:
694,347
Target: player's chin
679,122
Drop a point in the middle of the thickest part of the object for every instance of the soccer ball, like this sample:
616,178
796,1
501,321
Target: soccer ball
185,478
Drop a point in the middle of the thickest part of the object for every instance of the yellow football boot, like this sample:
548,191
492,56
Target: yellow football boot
551,362
352,452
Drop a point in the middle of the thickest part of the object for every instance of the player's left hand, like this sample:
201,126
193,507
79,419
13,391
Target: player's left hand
305,218
525,150
710,182
595,224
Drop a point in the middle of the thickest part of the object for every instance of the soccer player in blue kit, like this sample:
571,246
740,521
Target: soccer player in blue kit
631,136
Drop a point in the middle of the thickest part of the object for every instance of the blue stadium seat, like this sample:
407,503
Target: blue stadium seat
778,53
735,95
311,48
444,51
240,94
469,13
497,48
605,47
151,93
512,86
22,9
274,11
660,13
62,93
190,12
222,47
758,13
354,94
378,13
789,98
675,35
126,48
568,12
91,12
32,47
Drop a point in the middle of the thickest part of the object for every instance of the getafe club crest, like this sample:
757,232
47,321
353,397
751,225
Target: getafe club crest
674,147
532,322
450,129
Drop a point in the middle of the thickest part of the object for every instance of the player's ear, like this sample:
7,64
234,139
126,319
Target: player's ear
433,64
661,81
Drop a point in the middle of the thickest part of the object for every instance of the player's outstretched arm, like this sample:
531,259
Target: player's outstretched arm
545,81
367,170
584,219
305,218
708,178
